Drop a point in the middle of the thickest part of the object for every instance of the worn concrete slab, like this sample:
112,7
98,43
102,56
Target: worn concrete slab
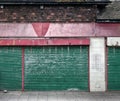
59,96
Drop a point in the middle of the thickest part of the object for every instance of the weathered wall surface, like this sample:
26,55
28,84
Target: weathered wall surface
46,30
113,41
42,30
97,64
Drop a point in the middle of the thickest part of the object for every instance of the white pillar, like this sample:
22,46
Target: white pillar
97,64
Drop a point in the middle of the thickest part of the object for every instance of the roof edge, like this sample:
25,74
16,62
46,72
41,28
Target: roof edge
55,3
108,20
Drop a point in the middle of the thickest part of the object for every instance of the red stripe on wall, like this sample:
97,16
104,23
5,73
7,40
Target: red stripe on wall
22,69
44,42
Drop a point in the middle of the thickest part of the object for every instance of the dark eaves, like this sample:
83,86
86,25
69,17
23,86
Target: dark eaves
48,2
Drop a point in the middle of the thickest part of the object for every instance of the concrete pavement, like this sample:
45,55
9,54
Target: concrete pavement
59,96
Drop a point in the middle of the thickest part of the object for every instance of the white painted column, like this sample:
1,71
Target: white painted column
97,64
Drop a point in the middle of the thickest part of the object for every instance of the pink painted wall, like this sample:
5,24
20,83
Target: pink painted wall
36,30
107,29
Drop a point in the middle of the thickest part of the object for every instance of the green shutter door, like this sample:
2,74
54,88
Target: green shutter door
113,68
10,68
56,68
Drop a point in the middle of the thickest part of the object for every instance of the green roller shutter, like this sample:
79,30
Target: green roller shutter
113,68
10,68
56,68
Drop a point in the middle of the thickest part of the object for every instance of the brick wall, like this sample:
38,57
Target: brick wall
35,13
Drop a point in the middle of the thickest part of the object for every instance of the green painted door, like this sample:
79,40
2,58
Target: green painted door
113,68
56,68
10,68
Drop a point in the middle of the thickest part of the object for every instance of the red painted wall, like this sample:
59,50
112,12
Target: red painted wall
44,42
